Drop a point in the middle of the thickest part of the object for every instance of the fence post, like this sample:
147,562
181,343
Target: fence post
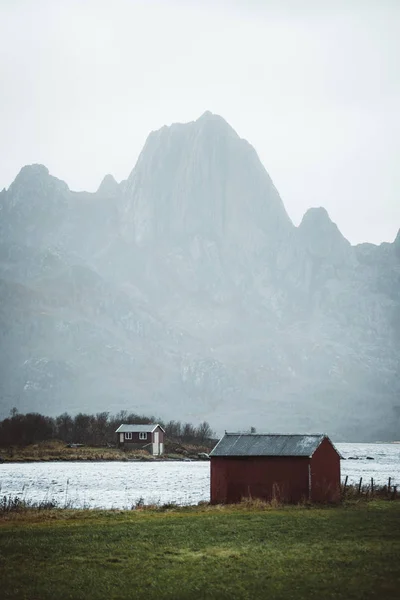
389,482
359,486
372,486
345,484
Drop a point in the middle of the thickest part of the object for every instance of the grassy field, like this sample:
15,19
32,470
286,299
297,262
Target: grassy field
291,553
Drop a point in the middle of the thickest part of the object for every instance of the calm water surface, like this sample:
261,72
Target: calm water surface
122,484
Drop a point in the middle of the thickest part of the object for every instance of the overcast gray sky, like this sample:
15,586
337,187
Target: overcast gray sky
314,85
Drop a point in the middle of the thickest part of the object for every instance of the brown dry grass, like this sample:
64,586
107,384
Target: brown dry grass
56,450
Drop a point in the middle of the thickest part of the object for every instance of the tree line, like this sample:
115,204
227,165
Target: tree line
89,429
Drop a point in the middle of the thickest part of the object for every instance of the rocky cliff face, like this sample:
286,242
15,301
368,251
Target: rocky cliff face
187,292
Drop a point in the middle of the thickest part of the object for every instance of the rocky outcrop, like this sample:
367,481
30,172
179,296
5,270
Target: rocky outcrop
186,291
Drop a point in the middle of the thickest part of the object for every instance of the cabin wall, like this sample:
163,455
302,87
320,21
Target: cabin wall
325,474
136,440
235,478
135,443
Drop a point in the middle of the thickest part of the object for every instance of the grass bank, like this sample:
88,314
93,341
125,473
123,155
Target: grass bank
55,450
237,552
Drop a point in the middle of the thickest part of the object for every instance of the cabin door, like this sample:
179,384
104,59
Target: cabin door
156,443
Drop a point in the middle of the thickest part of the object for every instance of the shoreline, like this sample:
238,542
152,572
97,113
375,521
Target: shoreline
58,451
96,460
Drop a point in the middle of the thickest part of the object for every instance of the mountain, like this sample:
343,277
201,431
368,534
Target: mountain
187,292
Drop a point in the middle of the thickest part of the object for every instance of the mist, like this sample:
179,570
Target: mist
315,89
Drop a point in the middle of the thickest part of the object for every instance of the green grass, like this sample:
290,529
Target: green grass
291,553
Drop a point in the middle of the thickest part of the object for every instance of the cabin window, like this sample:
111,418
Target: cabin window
142,435
128,435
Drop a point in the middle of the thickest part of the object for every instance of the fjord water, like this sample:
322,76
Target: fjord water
123,484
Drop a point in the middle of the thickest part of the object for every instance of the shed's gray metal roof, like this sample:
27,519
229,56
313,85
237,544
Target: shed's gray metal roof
149,427
268,444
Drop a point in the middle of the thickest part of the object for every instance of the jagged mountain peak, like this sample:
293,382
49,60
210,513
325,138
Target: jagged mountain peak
208,115
212,128
322,237
33,207
36,177
31,174
35,169
316,216
212,124
317,222
108,187
201,178
216,122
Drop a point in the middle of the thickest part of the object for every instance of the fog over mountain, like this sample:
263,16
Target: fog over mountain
187,292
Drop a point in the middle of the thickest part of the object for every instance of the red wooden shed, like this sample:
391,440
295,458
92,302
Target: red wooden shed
290,468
